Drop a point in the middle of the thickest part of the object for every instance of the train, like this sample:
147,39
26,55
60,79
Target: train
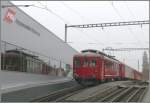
92,67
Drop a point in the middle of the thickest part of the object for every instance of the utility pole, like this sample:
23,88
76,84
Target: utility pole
65,33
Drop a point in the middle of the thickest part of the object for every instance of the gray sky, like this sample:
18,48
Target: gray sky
60,13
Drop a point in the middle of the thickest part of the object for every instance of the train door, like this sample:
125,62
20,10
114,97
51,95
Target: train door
99,69
102,69
121,71
93,65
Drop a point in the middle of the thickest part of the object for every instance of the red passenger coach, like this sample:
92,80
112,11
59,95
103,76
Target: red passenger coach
92,67
137,75
121,71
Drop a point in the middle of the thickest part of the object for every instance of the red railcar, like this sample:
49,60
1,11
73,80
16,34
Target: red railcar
92,66
137,75
121,71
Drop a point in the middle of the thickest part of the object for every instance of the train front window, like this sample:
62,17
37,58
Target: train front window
86,63
77,63
93,63
89,63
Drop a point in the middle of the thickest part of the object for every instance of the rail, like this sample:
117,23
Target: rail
130,92
57,94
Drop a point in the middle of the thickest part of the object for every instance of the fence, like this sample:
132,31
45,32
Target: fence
17,58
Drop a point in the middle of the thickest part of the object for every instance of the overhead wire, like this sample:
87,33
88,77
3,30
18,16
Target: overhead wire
130,30
82,17
49,10
132,14
70,8
128,27
69,23
46,8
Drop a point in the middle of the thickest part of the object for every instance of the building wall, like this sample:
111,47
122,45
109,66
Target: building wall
28,33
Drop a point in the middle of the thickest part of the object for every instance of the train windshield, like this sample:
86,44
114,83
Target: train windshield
84,63
89,63
77,63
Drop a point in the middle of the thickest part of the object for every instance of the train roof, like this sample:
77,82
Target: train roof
92,52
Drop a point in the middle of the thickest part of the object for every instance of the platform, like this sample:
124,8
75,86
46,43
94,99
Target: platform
23,87
147,97
11,81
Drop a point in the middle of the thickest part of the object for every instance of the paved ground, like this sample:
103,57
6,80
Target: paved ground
29,94
147,97
11,81
92,90
24,87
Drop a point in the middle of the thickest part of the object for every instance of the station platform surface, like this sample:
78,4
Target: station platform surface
24,87
12,81
147,97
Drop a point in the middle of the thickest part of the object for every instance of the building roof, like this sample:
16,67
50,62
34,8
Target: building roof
19,51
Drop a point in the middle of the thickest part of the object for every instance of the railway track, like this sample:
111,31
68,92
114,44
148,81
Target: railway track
64,98
130,92
138,95
113,94
126,94
134,94
58,94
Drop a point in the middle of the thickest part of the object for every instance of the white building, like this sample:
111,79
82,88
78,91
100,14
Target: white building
20,29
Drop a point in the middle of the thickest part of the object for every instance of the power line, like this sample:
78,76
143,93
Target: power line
49,10
82,17
76,12
46,8
90,37
130,30
102,27
132,15
130,10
